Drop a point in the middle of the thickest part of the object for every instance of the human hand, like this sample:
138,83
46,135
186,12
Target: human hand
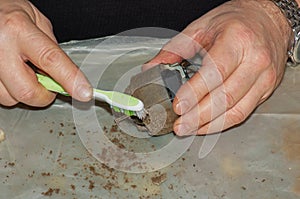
243,44
26,35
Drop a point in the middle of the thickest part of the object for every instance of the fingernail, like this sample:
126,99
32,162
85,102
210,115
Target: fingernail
182,107
181,129
85,92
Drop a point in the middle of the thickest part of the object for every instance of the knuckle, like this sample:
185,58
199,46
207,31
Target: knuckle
7,101
241,32
271,77
25,95
202,120
222,71
236,116
263,57
50,57
14,20
229,99
48,22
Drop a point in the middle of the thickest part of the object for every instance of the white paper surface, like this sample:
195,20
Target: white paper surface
43,155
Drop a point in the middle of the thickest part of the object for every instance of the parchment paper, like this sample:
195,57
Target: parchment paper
46,155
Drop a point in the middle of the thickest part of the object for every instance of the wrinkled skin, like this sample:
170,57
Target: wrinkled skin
26,35
244,45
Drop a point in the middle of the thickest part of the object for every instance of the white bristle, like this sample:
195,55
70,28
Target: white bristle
141,114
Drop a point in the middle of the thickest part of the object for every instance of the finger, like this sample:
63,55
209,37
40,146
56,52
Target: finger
221,99
5,98
218,64
47,55
182,46
240,112
163,57
43,23
21,83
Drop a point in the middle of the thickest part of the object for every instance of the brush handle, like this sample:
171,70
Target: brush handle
51,85
120,100
114,98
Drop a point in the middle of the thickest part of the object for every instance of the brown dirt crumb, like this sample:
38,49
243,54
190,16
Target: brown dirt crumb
117,142
11,164
133,186
114,128
108,186
157,180
93,171
73,187
91,185
50,192
46,174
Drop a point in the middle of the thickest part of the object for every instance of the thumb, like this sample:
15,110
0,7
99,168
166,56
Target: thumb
182,46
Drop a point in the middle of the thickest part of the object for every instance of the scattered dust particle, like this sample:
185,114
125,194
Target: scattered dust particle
171,187
114,128
183,159
157,180
263,180
133,186
11,164
61,134
105,129
244,188
62,124
51,131
50,152
2,135
91,185
50,191
76,158
93,171
107,168
108,186
116,141
73,187
73,133
31,175
46,174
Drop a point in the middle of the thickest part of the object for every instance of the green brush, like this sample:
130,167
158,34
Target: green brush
120,102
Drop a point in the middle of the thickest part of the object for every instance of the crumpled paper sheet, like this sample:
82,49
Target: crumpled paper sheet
43,155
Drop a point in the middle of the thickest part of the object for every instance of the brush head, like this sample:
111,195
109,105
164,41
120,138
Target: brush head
140,114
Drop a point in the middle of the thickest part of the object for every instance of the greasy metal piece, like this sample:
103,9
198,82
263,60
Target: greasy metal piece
157,88
172,81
